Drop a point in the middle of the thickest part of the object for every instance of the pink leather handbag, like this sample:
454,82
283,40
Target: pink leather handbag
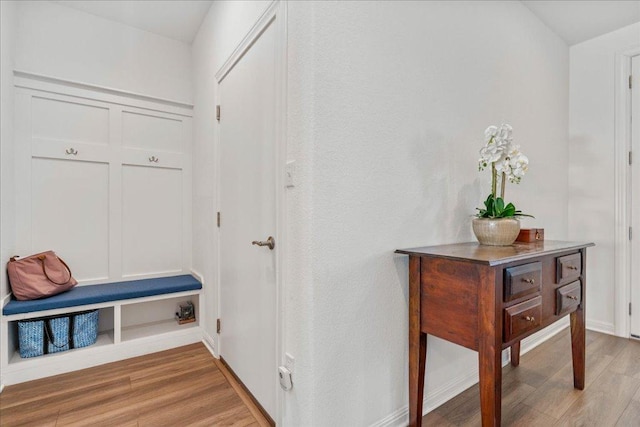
40,275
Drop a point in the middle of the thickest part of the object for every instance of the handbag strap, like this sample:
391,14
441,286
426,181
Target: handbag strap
44,269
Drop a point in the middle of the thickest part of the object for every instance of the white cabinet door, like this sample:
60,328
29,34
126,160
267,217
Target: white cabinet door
70,214
104,181
152,216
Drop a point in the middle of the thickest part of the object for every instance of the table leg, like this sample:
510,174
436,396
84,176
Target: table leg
578,347
515,354
417,346
490,386
490,348
417,362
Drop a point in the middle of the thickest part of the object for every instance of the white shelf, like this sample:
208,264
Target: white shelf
154,329
104,339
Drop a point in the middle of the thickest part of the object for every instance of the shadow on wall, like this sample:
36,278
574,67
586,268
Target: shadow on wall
443,211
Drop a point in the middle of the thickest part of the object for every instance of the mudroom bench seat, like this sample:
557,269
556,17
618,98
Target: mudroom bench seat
136,317
107,292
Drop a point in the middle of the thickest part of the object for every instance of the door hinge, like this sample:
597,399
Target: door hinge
630,157
629,309
630,233
218,220
630,81
218,328
217,112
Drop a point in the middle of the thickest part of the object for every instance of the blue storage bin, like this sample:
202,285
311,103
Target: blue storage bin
53,334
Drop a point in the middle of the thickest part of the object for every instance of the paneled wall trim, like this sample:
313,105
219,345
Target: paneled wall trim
103,178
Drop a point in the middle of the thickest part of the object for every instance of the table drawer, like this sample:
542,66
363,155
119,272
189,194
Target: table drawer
568,268
568,298
522,318
522,280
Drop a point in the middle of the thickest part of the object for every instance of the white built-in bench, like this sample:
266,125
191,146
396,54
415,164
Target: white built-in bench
136,317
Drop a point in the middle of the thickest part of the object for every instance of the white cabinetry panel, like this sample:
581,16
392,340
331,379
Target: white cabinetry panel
152,215
59,119
151,132
104,180
70,214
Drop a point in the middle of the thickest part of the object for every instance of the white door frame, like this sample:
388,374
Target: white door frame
276,15
622,146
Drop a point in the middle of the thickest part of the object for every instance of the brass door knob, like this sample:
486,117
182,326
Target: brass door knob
270,243
530,281
573,297
529,319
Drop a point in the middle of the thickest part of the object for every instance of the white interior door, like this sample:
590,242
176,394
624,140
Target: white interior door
248,213
634,194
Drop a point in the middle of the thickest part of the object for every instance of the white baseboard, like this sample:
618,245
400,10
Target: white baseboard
457,385
538,338
604,327
208,342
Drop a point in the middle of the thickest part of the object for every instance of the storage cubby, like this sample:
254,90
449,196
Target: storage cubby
105,337
141,320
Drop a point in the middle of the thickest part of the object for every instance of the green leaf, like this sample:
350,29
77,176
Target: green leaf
509,211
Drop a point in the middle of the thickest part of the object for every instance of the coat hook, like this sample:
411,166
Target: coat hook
153,159
71,151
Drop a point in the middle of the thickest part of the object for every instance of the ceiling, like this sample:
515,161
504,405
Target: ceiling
577,21
179,20
573,21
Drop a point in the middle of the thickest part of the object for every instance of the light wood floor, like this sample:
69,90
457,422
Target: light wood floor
540,391
186,386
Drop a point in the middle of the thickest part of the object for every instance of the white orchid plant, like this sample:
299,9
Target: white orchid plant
508,162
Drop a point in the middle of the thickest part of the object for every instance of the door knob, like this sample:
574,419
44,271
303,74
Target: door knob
270,243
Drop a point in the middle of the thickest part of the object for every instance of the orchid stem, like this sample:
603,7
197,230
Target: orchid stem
503,184
494,179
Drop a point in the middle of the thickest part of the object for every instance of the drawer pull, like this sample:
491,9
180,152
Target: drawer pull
529,319
573,297
153,159
572,267
530,281
71,151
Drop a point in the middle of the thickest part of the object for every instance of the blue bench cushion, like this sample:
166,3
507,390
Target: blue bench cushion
93,294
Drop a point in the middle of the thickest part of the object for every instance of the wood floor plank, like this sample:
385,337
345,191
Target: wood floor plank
556,396
182,386
631,415
628,363
603,403
434,419
525,416
29,414
540,391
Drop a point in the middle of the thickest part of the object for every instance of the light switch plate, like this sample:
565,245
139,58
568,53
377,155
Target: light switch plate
290,171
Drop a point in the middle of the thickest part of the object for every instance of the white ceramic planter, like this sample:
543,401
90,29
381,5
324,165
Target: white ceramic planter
496,231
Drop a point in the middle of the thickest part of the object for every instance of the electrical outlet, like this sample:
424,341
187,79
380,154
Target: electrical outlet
289,362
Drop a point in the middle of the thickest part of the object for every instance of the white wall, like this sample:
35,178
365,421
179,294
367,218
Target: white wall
62,42
8,19
591,171
387,104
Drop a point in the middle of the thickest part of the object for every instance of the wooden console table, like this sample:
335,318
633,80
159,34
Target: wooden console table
489,298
